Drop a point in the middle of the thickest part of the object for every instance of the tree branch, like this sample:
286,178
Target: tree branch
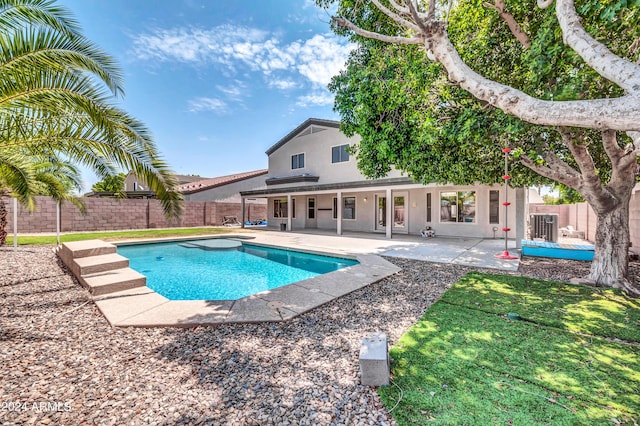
415,26
555,163
508,18
611,147
621,113
431,12
624,73
398,7
548,172
582,157
623,161
345,23
414,14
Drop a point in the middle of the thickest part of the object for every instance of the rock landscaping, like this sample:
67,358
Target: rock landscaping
63,364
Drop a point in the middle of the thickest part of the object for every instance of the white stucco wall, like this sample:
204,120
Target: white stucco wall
229,192
317,155
415,212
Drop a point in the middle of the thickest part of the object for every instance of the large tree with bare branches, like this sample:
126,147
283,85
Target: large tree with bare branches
578,124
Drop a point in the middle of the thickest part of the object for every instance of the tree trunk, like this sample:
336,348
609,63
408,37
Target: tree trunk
3,222
610,266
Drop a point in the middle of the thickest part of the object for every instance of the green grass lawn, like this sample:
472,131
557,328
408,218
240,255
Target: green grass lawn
120,235
572,359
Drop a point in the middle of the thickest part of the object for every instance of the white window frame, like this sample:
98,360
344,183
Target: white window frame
304,158
344,199
342,161
457,192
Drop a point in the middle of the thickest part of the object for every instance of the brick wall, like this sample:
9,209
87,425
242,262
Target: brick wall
582,217
103,214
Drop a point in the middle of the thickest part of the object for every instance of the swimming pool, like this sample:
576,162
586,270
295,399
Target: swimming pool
215,270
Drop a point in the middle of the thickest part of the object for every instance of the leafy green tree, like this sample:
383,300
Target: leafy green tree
437,91
47,175
56,99
568,195
113,183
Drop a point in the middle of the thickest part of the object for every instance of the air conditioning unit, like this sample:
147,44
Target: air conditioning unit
544,226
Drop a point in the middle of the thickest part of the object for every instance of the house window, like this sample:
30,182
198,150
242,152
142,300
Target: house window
280,208
339,154
429,207
348,208
311,208
494,206
297,161
458,206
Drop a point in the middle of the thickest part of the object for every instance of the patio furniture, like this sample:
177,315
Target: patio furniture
230,221
571,232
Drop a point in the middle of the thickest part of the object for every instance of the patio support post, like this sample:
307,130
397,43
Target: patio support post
15,223
390,218
289,211
242,208
58,222
339,213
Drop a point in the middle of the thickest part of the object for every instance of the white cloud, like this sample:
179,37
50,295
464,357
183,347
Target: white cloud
315,99
195,45
208,104
321,57
282,84
315,60
234,90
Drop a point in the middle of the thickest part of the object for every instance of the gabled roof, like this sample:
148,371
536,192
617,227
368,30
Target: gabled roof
309,122
204,184
184,179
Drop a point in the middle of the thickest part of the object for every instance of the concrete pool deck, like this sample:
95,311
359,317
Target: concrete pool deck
125,301
467,251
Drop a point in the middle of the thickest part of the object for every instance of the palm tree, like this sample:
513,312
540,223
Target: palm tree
56,101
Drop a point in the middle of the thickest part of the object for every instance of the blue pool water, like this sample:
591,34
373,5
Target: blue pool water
191,273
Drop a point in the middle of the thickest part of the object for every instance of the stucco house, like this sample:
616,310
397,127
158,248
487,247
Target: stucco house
132,183
223,188
197,188
314,183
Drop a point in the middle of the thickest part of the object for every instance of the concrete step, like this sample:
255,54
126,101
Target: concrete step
94,264
114,280
77,249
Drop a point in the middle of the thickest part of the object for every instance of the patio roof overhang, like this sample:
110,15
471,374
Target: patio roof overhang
366,185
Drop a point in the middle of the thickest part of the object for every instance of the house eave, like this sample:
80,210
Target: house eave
291,179
331,186
300,128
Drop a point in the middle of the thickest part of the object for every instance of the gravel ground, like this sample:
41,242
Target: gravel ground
63,364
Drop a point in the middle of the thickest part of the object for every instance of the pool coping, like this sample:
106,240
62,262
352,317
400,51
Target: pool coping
143,307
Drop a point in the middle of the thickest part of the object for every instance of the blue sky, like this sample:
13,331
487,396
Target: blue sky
218,81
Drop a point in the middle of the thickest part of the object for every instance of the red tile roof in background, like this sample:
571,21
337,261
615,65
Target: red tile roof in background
204,184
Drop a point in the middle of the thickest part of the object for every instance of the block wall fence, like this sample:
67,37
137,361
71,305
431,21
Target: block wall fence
582,217
107,214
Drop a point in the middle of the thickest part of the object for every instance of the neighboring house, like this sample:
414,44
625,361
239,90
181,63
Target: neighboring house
314,183
136,188
196,188
224,188
132,183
